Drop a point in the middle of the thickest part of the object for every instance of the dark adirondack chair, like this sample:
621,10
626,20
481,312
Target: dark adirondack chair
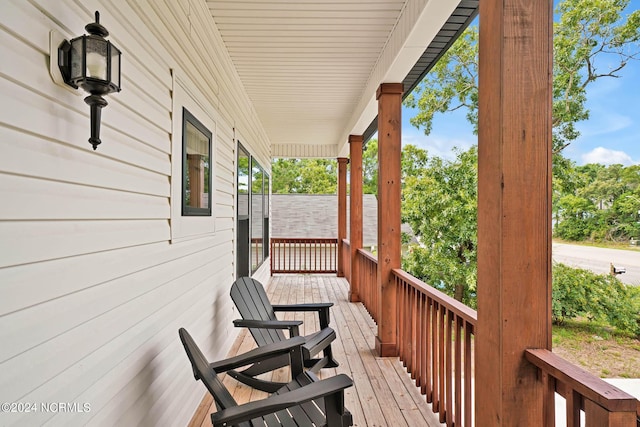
260,317
305,401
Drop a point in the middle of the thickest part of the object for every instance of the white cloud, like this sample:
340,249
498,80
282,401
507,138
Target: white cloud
437,145
607,156
603,122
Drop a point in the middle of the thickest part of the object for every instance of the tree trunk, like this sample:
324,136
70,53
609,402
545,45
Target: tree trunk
459,292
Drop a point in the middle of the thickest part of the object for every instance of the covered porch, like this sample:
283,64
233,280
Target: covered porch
101,263
490,367
433,381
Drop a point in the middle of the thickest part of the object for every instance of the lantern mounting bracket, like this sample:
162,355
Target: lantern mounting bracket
64,63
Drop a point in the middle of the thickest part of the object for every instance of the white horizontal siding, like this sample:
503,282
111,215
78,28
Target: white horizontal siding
93,292
47,200
133,332
33,241
43,116
65,163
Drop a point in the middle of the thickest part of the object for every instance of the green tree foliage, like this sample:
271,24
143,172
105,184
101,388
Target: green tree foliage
304,176
581,293
578,218
413,160
590,36
439,201
440,204
370,167
592,39
599,203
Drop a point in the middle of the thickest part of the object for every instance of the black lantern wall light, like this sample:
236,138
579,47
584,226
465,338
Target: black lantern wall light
92,63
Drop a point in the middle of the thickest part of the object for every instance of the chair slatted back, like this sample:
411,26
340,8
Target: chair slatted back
252,302
202,372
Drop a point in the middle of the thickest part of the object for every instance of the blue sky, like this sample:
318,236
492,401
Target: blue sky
611,135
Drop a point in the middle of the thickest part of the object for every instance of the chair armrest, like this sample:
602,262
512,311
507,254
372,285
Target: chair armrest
321,307
291,325
302,307
259,354
274,403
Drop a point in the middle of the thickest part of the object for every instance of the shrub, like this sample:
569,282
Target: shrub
581,293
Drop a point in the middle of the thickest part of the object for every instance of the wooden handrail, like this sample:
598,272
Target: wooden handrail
367,255
466,312
603,404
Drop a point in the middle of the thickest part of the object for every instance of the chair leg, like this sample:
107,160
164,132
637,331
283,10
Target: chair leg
314,365
337,415
331,362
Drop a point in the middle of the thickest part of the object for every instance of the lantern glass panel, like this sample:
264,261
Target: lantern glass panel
115,66
97,58
77,68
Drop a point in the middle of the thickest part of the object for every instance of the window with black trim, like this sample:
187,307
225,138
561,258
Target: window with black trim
196,167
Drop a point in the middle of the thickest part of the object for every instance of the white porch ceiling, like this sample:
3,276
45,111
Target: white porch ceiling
311,67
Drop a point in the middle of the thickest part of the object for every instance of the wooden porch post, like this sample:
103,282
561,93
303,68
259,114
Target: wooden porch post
355,212
514,209
389,96
342,210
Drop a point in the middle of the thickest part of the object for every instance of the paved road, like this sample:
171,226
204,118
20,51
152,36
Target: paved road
598,260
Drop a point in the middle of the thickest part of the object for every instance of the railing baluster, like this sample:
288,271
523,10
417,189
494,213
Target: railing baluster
413,337
441,364
408,344
420,343
468,373
458,370
448,373
400,309
435,335
428,386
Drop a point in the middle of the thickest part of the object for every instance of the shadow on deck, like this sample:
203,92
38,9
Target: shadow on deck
383,393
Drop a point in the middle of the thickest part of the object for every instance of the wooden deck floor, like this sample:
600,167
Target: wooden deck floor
383,393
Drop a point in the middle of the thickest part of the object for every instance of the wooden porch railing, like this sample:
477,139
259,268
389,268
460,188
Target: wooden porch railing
346,254
299,255
435,344
435,339
601,403
368,271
